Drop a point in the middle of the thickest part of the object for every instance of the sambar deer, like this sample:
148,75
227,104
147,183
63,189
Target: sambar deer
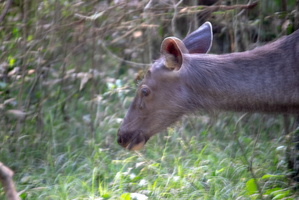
186,79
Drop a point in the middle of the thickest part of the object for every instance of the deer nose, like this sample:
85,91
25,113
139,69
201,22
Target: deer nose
120,139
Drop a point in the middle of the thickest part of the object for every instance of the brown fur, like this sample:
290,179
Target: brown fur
265,79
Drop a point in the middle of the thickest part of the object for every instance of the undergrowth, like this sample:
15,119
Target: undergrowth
66,80
221,157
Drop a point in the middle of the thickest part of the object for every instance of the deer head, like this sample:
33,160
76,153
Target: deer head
161,98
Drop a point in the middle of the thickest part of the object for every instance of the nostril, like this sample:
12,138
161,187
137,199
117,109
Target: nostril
119,140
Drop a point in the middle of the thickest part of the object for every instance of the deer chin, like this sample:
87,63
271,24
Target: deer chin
135,147
137,143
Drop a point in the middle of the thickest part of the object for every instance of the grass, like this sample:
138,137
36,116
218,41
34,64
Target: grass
199,158
68,151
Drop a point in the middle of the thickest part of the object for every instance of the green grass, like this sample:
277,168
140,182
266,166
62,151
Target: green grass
68,151
80,86
199,158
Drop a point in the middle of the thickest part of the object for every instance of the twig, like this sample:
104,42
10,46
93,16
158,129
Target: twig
292,143
125,35
147,17
173,20
5,11
196,9
250,168
6,175
133,64
243,10
246,158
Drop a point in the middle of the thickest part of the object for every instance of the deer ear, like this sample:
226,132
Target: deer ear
173,49
200,41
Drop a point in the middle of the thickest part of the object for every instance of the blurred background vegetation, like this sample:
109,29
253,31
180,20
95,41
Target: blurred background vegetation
68,72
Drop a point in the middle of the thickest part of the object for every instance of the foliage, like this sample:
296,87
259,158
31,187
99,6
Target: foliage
68,71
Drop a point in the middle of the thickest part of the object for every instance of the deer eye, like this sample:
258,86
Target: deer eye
145,91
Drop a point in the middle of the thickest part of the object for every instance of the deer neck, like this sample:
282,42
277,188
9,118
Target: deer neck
262,80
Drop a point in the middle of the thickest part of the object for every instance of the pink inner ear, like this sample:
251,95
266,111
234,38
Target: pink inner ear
172,49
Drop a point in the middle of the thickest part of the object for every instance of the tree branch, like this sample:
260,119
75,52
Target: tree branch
6,175
214,8
5,11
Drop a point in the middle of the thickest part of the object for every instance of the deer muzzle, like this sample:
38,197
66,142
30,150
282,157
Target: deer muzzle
132,140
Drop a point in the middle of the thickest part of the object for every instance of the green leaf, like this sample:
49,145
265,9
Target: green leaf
220,170
15,32
23,195
30,37
268,176
251,187
277,193
11,61
111,86
270,191
106,195
280,194
125,196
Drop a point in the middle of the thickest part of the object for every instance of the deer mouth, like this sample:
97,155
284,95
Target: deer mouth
135,143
